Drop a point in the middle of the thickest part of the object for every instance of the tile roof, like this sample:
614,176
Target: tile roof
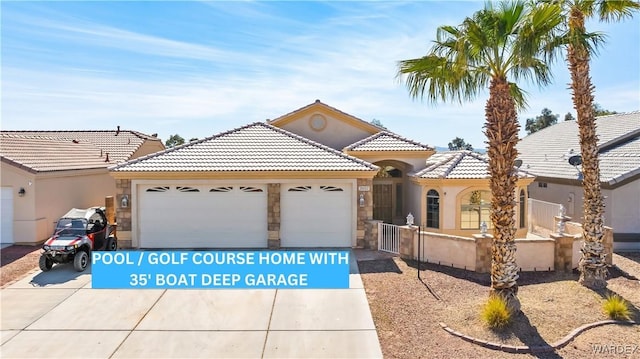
545,153
458,165
318,102
387,141
44,154
120,145
255,147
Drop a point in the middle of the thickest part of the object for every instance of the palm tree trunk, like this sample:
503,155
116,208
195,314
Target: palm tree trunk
501,130
592,265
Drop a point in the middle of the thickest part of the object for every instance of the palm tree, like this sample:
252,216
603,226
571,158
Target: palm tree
580,46
489,49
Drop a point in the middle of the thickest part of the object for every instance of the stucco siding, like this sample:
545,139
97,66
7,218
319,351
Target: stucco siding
622,204
415,203
337,134
449,205
625,208
57,194
148,147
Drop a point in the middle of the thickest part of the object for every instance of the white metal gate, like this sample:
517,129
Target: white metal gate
388,238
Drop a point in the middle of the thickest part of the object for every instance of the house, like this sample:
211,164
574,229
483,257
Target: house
455,197
311,178
547,155
45,173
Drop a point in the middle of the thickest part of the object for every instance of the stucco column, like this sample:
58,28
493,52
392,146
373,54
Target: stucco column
273,215
483,252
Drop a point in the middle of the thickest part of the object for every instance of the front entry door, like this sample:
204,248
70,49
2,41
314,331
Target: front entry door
383,202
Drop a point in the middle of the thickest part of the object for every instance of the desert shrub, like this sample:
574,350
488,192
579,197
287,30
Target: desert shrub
495,312
616,308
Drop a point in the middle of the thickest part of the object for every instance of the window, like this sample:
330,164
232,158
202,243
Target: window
331,189
542,184
475,208
433,209
522,204
300,189
250,189
158,189
221,189
187,189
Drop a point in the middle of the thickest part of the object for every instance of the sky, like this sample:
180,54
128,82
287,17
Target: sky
199,68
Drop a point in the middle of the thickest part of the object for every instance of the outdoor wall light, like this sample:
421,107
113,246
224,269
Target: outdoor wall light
410,219
22,192
124,202
483,228
361,200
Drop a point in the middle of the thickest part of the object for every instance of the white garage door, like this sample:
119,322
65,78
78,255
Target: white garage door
212,216
316,215
6,212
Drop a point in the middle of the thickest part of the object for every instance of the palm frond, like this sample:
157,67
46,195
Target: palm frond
616,10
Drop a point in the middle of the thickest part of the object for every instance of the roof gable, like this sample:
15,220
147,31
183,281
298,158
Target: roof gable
321,107
387,141
459,165
255,147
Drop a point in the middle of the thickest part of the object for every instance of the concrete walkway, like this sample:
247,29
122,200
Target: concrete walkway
57,315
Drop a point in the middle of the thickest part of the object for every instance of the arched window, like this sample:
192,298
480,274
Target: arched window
523,200
433,209
475,208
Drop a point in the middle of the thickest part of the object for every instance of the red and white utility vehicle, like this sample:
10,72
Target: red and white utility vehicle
77,233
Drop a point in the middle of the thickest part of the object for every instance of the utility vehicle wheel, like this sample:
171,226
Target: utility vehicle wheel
45,263
80,261
112,244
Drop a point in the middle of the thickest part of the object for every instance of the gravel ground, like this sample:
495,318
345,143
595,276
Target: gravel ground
407,313
17,261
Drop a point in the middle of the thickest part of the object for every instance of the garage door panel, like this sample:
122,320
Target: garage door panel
6,209
197,217
316,215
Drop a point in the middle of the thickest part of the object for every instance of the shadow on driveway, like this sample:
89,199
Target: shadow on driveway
60,273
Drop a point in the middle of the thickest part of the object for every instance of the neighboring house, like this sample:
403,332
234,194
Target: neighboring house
310,178
546,154
45,173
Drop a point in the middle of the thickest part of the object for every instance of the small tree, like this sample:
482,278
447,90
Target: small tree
174,140
546,119
378,123
569,117
599,111
459,144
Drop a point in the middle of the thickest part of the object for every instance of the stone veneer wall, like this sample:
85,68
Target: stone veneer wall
123,215
483,252
371,234
365,213
563,258
273,215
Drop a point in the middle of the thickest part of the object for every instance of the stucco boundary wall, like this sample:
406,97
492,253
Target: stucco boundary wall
559,252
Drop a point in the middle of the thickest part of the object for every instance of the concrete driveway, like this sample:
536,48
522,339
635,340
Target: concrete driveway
57,315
